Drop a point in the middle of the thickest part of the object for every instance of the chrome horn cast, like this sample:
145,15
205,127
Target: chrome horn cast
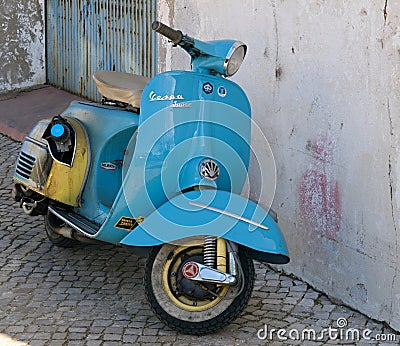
209,169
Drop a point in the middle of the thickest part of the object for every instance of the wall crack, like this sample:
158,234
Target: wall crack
385,11
278,69
391,190
395,229
273,3
391,193
390,118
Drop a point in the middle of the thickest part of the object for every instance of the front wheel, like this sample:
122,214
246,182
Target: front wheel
192,307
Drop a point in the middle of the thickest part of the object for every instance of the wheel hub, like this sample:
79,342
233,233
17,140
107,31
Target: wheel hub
188,288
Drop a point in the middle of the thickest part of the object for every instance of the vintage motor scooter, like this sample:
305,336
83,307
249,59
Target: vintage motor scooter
158,168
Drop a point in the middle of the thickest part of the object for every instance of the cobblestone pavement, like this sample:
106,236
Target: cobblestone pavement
93,295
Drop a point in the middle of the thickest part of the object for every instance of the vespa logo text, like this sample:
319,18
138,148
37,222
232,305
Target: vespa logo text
181,104
154,97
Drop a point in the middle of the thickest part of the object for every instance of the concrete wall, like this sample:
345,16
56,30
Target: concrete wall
323,78
22,44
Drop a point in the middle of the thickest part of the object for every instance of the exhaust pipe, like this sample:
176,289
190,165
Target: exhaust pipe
69,232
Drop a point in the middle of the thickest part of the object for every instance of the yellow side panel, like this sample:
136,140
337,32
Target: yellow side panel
65,183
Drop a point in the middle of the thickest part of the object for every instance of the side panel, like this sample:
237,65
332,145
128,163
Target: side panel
109,131
212,212
37,170
65,183
103,134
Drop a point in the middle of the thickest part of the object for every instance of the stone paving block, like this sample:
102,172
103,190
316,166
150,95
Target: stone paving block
328,307
93,342
37,342
312,295
307,302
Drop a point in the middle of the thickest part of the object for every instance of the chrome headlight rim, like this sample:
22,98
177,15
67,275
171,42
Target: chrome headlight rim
231,52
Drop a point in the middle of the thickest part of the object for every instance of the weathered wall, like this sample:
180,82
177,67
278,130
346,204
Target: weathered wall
22,44
323,78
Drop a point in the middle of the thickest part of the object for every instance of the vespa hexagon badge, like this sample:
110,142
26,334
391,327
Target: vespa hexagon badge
208,88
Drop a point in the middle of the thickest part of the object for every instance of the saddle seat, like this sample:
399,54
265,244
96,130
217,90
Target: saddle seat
121,86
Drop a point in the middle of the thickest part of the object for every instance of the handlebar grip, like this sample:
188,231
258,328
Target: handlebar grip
174,35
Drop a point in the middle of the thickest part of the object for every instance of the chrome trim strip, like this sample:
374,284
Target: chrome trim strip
227,213
37,142
69,223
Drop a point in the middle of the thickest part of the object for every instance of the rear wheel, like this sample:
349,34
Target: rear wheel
52,223
188,306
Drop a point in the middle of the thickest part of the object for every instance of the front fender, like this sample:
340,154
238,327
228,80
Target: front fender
217,213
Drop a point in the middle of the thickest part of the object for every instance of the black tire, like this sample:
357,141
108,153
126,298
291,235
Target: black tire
203,322
51,223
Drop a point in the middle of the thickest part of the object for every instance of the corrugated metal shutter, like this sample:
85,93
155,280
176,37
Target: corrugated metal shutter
88,35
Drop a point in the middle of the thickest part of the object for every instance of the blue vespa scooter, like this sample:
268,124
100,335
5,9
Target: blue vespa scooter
158,168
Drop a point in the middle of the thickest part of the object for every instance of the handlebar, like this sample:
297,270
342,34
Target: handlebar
174,35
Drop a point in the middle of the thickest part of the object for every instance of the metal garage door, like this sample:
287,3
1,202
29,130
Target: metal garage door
88,35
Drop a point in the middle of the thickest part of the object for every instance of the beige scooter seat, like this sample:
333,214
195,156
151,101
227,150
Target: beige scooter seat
121,86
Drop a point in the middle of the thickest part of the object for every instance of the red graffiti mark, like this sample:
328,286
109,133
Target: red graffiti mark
322,148
319,195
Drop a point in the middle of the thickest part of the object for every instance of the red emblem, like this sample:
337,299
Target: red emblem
190,270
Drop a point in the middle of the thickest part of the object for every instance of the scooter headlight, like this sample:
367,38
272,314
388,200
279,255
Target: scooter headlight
234,58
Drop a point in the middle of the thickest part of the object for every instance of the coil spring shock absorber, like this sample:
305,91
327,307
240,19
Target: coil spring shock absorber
210,251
